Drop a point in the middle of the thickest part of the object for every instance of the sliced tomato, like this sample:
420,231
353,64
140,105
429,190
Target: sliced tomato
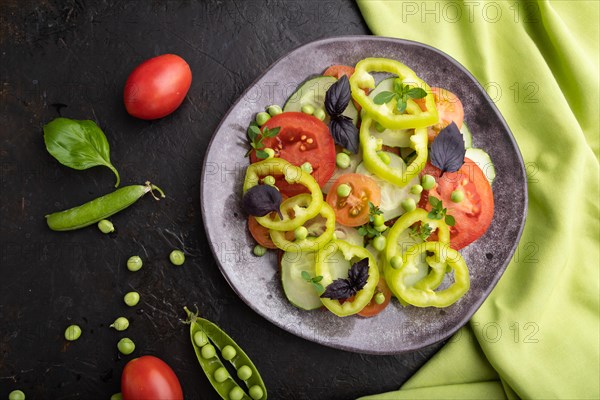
337,71
474,214
260,233
373,308
449,109
354,209
301,138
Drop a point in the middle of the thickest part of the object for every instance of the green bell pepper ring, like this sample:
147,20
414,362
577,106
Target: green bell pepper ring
384,113
292,174
436,275
427,297
375,164
353,254
309,243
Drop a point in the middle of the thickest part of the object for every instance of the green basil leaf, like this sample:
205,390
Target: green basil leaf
306,276
417,93
450,221
401,105
78,144
253,132
384,97
262,154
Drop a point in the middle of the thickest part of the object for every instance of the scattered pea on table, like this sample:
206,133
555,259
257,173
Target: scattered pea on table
73,332
120,324
16,395
134,263
106,226
177,257
131,298
126,346
116,396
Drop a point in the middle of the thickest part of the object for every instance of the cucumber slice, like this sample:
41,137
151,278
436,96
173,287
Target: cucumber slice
300,293
467,137
312,92
483,160
392,195
349,235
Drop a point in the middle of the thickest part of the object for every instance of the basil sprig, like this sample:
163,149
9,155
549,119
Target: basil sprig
342,129
401,93
78,144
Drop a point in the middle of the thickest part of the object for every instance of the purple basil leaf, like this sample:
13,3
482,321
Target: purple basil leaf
359,274
344,133
260,200
338,97
448,149
340,289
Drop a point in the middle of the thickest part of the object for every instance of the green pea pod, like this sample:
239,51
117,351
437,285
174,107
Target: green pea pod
209,365
100,208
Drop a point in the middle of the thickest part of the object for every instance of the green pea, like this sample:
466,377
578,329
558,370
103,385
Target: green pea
120,324
269,180
208,351
427,181
259,251
379,243
256,392
378,127
344,190
380,228
100,208
396,262
244,372
319,114
379,298
200,338
73,332
457,196
378,220
177,257
106,226
270,152
385,157
131,299
221,374
16,395
307,167
274,110
408,204
262,118
116,396
228,352
416,189
236,393
126,346
342,160
300,233
134,263
308,109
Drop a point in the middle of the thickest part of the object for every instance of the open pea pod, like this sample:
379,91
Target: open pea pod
225,385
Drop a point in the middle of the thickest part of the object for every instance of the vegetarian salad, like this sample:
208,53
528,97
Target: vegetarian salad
367,184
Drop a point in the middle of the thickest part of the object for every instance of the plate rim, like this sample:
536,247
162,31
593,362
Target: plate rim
521,170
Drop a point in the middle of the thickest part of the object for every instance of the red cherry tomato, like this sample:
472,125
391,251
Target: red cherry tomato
301,138
149,378
157,87
474,214
353,210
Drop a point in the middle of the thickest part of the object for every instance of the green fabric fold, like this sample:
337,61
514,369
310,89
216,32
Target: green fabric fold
538,333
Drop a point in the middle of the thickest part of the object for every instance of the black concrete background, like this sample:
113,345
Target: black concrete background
72,58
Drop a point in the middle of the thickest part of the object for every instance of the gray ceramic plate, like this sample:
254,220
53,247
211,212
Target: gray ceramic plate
257,281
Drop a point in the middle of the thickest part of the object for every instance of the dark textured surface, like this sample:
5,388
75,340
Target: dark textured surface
397,329
73,57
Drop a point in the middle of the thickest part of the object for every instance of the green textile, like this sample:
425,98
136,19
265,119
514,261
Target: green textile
538,334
